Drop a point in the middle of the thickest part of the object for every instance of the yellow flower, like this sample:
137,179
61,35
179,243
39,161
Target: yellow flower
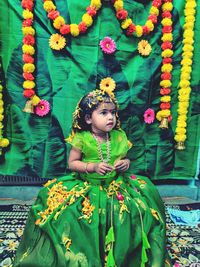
138,30
184,83
182,110
4,142
188,33
1,88
181,124
144,48
28,84
150,25
190,18
167,6
58,22
108,85
182,118
154,11
185,91
28,30
118,5
29,67
166,68
190,4
87,19
187,54
49,6
180,137
187,69
27,14
74,30
165,113
167,53
35,100
28,49
189,11
1,117
96,4
126,23
183,98
188,25
57,42
186,61
166,22
167,37
165,99
165,83
188,47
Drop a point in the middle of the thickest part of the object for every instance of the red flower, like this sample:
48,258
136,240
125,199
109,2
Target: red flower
145,29
28,59
165,91
28,76
131,29
27,4
157,3
167,29
170,118
28,93
153,18
166,45
167,60
65,29
165,105
165,1
122,14
29,39
91,11
166,76
82,27
53,14
27,22
166,14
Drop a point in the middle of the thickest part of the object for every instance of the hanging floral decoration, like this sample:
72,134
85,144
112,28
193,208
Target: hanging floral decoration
28,56
185,76
57,41
164,115
127,23
108,85
4,142
149,116
144,48
71,29
108,45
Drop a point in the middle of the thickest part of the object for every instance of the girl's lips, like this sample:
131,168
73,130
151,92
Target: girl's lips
110,124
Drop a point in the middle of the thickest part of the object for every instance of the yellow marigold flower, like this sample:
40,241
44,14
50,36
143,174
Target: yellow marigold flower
189,11
138,30
188,25
166,68
4,142
189,19
28,30
182,118
165,113
167,53
185,76
166,22
167,37
1,110
188,33
165,83
184,105
180,137
125,24
186,61
108,85
183,98
96,4
87,19
29,67
185,91
28,84
1,117
165,99
118,5
1,103
49,6
28,49
58,22
182,110
27,14
184,83
188,48
188,40
187,69
144,48
190,4
1,88
154,11
188,54
181,124
150,25
35,100
167,6
57,41
74,30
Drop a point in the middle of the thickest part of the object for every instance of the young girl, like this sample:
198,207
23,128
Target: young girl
99,215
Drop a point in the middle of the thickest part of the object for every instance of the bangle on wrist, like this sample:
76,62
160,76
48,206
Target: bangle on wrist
86,164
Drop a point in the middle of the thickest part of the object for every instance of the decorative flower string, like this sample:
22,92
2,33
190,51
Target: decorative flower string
186,69
4,142
28,56
164,115
127,23
71,29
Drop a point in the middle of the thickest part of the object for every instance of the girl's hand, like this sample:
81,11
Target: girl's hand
102,168
122,165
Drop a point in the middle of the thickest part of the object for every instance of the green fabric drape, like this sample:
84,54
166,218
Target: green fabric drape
37,144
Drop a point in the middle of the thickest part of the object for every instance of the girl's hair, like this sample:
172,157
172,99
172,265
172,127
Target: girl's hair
87,105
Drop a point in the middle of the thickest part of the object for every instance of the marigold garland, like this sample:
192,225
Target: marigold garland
28,56
164,115
185,76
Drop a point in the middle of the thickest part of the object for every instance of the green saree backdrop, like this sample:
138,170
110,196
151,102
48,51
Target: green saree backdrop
37,147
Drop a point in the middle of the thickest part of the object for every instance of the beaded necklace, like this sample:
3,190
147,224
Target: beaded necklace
100,150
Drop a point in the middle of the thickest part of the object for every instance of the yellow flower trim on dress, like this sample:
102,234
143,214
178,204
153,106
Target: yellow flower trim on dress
108,85
87,210
57,42
184,84
144,48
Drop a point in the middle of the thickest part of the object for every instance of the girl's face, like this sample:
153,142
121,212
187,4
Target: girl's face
103,118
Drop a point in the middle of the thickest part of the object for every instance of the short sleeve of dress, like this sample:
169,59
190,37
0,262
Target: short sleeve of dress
125,139
76,141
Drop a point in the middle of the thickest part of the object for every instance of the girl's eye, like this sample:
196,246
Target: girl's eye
103,112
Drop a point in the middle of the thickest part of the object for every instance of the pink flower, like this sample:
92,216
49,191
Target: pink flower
108,45
42,108
176,264
133,177
120,197
149,116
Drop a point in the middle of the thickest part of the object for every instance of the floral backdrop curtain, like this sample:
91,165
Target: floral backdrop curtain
36,144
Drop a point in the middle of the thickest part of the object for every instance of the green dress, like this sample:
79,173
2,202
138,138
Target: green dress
92,220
